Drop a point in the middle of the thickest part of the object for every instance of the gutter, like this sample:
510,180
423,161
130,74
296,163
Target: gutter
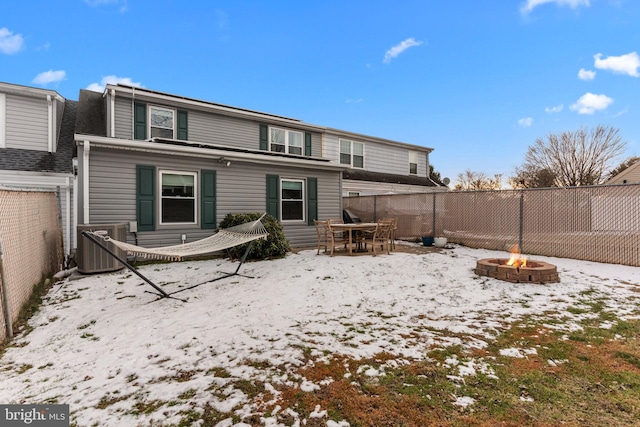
205,151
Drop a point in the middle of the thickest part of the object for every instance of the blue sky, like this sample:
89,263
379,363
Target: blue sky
478,81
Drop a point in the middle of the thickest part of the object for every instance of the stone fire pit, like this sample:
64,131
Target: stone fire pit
534,271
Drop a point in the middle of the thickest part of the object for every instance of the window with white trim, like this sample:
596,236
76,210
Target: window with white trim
413,162
178,197
285,141
292,199
161,122
352,153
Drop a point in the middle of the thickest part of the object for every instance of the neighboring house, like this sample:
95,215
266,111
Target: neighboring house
630,175
379,166
36,146
171,167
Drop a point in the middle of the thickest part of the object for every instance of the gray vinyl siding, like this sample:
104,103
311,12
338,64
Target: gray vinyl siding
240,188
26,123
209,128
124,118
378,157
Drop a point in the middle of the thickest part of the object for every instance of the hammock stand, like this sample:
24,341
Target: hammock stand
224,239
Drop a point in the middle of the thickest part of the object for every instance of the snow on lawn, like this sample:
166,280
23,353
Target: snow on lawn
102,344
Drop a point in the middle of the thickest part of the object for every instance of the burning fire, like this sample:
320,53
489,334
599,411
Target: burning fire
517,259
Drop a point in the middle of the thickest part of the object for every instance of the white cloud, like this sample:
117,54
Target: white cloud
525,122
114,80
97,3
554,109
9,42
589,103
50,76
529,5
354,101
623,64
586,74
399,48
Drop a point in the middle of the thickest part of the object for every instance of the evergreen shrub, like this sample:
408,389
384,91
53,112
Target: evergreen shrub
275,246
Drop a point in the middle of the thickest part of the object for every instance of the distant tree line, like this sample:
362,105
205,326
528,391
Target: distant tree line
565,159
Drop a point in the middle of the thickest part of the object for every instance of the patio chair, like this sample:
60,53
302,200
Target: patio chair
392,233
379,237
334,237
322,232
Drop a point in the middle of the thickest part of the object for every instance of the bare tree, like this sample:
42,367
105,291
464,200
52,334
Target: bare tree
576,158
528,177
470,180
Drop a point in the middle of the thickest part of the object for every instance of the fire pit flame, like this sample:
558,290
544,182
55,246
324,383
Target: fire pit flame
517,259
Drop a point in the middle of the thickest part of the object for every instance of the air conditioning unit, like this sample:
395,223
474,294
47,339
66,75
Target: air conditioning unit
91,258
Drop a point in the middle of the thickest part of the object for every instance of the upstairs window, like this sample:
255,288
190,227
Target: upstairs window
352,153
161,122
413,163
285,141
178,204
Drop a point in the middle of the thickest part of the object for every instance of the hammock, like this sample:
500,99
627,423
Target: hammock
223,239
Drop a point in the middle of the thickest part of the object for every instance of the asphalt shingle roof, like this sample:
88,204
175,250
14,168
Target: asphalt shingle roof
43,161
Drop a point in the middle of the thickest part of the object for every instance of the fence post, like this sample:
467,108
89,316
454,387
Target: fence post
375,208
521,220
5,299
434,214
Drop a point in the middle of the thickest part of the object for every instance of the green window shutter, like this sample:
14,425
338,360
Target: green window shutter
182,126
139,121
273,196
307,143
264,137
312,200
208,196
146,197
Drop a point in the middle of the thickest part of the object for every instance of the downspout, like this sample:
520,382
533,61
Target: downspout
133,113
112,106
5,298
50,124
85,181
75,205
68,218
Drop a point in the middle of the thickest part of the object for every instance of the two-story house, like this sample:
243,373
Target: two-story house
379,166
36,146
172,167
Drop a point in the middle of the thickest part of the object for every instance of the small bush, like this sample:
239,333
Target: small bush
275,246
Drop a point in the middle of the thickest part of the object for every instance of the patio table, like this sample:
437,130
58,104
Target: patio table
360,226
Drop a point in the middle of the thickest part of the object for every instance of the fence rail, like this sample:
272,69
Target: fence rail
595,223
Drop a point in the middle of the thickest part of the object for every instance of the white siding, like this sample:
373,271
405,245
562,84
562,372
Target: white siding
26,123
3,120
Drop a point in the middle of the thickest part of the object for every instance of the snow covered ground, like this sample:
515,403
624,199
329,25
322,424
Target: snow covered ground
104,339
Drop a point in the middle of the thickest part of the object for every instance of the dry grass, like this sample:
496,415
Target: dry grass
589,379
